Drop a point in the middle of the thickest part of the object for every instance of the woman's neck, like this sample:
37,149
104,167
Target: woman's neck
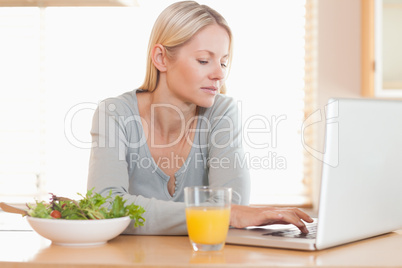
169,116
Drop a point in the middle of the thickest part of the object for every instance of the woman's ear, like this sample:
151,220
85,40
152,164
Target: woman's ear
158,55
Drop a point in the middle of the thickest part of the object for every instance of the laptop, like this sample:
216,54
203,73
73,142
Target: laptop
361,184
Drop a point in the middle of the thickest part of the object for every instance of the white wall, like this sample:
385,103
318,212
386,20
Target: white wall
338,49
392,42
338,58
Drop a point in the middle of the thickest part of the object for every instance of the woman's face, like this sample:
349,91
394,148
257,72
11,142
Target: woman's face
198,70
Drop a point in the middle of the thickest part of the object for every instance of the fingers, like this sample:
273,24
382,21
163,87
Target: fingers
304,216
244,216
294,216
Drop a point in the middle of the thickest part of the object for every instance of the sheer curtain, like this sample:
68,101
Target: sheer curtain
58,63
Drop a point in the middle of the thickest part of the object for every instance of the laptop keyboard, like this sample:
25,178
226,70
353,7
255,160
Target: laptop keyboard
294,232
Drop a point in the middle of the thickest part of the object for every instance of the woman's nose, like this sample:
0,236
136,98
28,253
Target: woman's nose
218,73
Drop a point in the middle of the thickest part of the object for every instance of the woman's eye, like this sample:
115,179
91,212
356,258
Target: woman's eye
202,61
223,65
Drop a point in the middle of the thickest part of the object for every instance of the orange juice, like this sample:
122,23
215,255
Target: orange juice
208,225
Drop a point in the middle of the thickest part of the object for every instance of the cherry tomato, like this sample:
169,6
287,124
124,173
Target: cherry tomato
55,214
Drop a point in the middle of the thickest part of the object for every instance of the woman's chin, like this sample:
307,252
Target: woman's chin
206,102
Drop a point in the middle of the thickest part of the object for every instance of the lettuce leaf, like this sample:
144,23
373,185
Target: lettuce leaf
92,206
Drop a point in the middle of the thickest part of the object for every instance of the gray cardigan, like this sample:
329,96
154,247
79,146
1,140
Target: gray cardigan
121,161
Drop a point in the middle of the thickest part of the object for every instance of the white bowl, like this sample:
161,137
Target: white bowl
79,232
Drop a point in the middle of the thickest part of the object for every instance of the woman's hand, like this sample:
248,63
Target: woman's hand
244,216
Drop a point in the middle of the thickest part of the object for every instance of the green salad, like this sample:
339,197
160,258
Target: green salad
92,206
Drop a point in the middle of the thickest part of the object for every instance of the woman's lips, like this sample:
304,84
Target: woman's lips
210,90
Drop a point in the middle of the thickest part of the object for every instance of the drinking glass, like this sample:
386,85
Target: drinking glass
207,216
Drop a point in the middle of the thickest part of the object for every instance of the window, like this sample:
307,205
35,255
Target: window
57,63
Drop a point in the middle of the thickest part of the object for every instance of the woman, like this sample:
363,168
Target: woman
178,129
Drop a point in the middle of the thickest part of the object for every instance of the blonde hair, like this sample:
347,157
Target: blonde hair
176,25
